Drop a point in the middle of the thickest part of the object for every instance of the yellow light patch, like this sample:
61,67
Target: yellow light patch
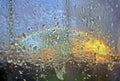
87,48
97,47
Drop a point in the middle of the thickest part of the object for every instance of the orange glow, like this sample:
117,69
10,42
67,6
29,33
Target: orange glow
91,48
47,55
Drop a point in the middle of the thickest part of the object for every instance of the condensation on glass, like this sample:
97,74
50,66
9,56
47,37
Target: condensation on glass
60,40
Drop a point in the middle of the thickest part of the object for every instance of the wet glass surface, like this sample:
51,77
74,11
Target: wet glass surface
59,40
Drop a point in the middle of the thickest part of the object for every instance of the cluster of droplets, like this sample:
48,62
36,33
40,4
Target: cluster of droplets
93,17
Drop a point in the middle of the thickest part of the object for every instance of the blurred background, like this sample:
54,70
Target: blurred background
99,17
21,18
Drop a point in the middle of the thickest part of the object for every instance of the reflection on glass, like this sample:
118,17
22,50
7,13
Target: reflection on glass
59,40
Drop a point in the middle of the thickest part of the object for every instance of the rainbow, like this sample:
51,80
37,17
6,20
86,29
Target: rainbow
90,45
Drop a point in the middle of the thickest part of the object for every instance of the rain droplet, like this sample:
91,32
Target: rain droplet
116,5
35,47
10,61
